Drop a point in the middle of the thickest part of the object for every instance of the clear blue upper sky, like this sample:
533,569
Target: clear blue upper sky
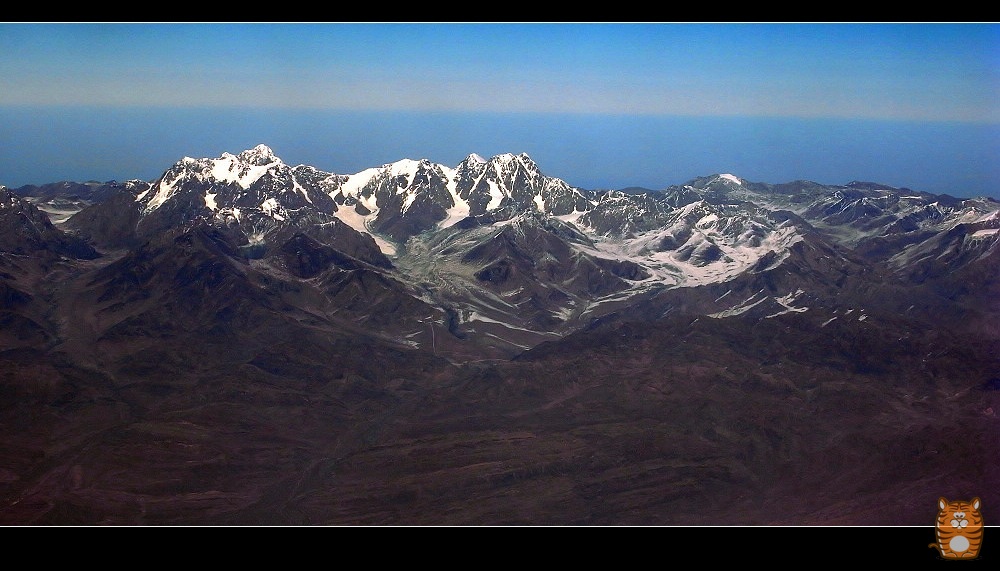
655,92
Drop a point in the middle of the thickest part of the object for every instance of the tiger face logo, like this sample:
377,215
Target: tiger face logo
959,529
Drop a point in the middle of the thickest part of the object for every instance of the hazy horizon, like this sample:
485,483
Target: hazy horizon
597,105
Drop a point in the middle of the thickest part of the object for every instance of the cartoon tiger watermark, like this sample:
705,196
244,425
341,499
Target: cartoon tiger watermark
959,529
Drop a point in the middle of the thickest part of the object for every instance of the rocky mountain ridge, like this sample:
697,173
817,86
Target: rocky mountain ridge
243,341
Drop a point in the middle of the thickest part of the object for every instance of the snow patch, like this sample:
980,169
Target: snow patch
163,193
355,182
564,313
496,196
786,302
741,308
707,220
387,248
539,203
459,211
572,217
348,215
665,268
272,209
300,189
230,168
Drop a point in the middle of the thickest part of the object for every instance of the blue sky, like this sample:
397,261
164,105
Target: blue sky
599,105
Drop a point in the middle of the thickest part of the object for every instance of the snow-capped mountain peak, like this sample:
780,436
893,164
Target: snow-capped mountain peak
522,256
242,170
731,178
261,155
511,160
710,230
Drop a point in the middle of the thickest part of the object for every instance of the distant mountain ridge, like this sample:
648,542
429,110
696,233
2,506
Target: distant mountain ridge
496,246
243,342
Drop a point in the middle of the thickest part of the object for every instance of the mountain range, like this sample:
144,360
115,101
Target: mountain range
242,341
